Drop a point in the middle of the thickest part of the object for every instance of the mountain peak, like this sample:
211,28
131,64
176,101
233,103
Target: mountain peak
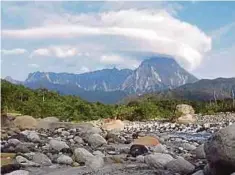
157,73
11,80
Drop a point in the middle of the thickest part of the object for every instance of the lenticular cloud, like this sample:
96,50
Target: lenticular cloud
126,30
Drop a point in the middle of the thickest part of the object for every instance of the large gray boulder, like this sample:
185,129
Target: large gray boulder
157,160
180,166
96,140
57,144
220,151
41,159
81,155
64,159
25,162
14,142
95,163
33,136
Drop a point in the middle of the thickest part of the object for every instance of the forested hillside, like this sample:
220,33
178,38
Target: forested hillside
44,103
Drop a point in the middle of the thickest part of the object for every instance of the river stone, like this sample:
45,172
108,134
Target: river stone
64,159
65,133
220,151
25,122
157,160
82,155
188,146
78,140
200,153
96,140
98,153
95,163
137,150
14,141
158,149
41,159
180,166
33,136
57,145
18,172
22,148
25,162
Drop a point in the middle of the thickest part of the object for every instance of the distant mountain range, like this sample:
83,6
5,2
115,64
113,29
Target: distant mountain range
202,90
111,85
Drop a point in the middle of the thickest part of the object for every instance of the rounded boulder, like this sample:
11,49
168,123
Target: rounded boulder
220,151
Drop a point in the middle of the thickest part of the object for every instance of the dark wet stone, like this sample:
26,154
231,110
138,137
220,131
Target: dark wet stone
67,151
20,137
9,168
137,150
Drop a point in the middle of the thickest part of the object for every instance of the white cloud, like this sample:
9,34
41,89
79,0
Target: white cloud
119,61
84,69
41,52
34,65
154,31
17,51
57,51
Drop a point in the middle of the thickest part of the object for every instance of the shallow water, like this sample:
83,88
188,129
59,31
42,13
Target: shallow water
192,136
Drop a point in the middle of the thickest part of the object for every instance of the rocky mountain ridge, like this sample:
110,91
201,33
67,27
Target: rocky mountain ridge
154,74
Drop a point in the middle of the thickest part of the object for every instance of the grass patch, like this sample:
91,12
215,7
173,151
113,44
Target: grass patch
7,158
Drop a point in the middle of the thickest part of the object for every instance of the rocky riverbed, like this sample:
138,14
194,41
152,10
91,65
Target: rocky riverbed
151,147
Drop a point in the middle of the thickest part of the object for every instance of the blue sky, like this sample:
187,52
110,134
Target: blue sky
78,37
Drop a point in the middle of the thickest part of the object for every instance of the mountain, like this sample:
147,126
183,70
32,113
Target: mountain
157,73
13,81
101,80
107,97
111,85
202,90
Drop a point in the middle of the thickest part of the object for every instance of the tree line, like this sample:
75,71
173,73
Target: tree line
43,103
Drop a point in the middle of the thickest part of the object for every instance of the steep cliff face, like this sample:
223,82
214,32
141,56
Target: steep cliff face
155,74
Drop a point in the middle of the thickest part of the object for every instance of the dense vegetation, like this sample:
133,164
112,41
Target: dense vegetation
43,103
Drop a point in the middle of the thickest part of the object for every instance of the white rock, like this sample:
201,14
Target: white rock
65,133
33,136
64,159
95,163
96,140
98,153
157,160
18,172
57,145
140,159
188,146
180,166
78,140
41,159
82,155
